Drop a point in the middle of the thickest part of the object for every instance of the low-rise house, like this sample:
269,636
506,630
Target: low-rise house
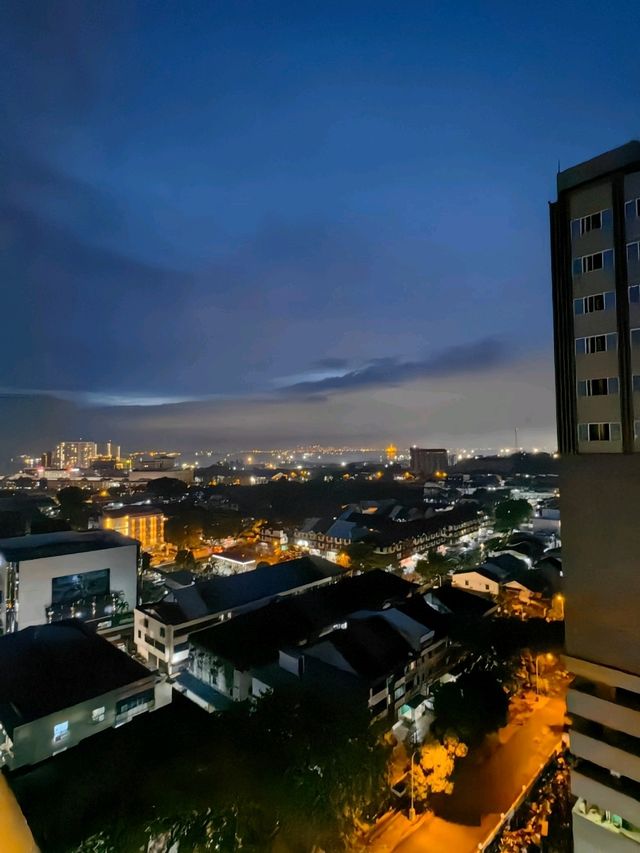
162,629
392,536
61,683
372,636
233,561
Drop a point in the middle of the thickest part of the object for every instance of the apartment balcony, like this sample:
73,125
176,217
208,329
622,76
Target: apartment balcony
594,833
621,713
609,749
620,796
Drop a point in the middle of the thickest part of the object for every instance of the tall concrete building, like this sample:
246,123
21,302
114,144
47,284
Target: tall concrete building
425,461
75,454
595,245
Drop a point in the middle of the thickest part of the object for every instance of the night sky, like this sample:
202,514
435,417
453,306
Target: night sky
235,224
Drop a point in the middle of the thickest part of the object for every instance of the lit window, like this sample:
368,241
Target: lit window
61,731
97,715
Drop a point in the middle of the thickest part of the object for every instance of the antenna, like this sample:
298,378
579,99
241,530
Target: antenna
516,435
558,165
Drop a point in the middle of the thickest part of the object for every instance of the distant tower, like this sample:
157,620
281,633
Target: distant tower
392,453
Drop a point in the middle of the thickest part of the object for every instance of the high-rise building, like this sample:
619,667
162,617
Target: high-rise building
427,461
595,244
75,454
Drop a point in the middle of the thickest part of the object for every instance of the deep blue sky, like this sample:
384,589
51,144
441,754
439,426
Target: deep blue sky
324,221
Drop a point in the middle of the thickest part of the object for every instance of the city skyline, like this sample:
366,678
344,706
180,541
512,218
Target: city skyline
268,242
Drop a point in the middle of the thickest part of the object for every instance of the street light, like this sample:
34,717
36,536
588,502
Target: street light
549,658
412,811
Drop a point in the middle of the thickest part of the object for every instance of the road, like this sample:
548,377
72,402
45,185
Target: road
486,786
15,835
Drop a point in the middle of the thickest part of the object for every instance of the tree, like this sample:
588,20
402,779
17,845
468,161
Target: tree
511,514
145,561
186,560
167,487
432,772
470,707
363,555
73,506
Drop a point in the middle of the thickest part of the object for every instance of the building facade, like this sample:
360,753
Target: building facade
75,454
49,577
144,523
426,461
595,242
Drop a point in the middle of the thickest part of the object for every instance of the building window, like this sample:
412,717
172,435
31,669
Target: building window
598,302
597,343
61,731
466,583
635,338
598,387
591,263
634,293
146,623
486,586
636,429
592,222
632,209
97,715
599,432
633,252
162,632
139,634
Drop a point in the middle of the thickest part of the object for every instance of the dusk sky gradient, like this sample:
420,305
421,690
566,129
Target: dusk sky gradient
236,224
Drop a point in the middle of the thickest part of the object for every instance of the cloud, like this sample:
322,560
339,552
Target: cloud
331,363
474,357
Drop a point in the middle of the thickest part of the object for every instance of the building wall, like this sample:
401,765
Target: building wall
475,582
35,742
147,529
600,496
35,576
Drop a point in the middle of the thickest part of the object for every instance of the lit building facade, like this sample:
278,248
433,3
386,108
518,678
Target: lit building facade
75,454
595,242
144,523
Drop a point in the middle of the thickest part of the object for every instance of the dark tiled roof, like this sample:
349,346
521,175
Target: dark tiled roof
47,668
371,647
216,595
133,509
255,638
38,545
460,601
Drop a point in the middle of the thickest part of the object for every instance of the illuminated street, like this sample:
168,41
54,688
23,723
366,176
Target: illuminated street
16,836
482,790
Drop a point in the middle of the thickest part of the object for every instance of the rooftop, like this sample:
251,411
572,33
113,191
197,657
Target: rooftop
134,509
39,545
254,639
47,668
218,594
610,161
234,556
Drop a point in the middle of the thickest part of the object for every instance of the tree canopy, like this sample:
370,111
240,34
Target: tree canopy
510,514
167,487
363,555
471,707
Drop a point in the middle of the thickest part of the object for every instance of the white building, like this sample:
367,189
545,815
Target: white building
62,683
52,576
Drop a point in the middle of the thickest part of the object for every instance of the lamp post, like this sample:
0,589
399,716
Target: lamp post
412,811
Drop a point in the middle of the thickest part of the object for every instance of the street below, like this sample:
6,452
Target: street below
487,784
